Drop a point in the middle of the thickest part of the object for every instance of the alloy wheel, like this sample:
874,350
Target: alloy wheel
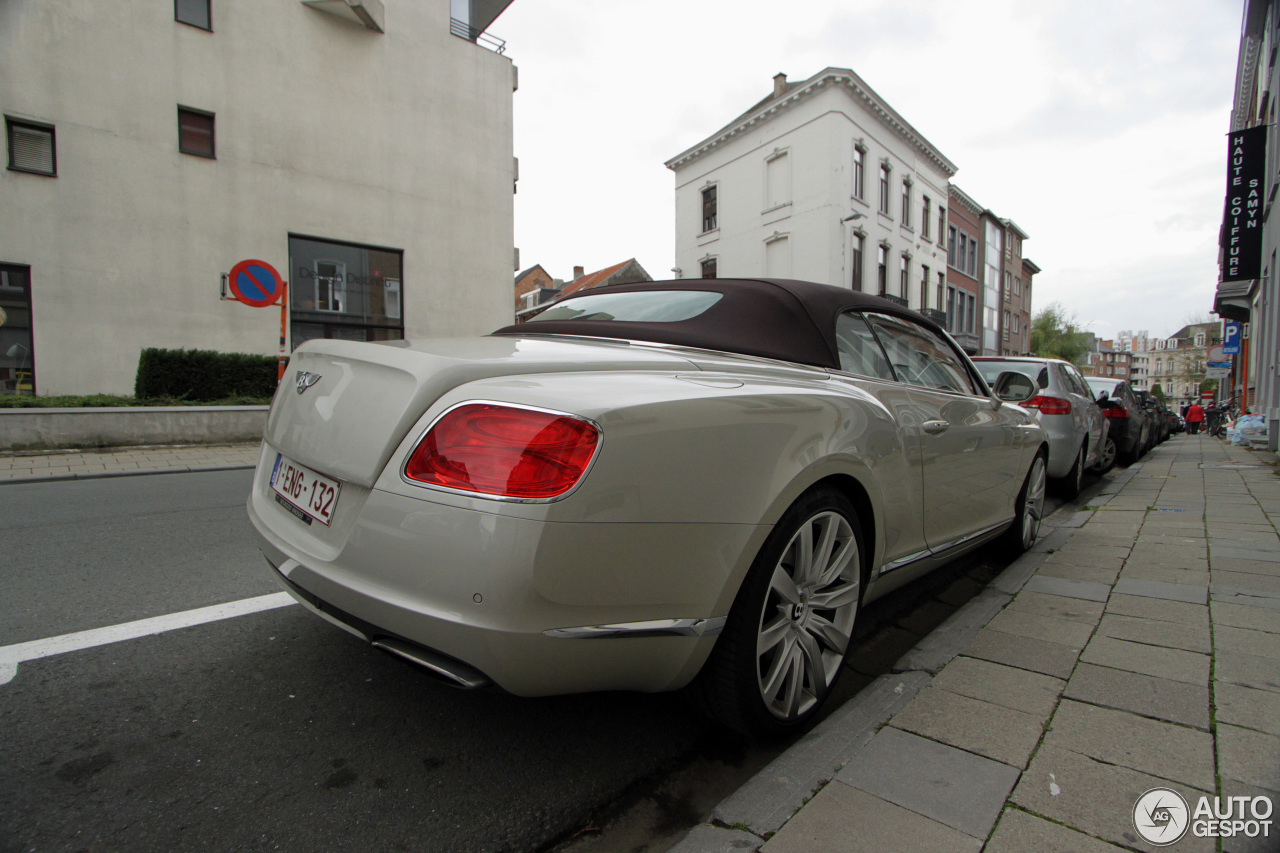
808,615
1033,503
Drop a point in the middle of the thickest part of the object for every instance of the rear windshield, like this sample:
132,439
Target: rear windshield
1037,373
655,306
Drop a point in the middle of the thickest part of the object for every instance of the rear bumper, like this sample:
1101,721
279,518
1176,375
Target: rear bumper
502,599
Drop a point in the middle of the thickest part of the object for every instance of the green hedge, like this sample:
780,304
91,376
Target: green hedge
204,375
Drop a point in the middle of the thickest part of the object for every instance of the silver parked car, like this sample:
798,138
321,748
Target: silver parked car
646,487
1066,408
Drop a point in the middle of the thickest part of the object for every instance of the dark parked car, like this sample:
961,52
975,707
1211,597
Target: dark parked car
1156,412
1129,436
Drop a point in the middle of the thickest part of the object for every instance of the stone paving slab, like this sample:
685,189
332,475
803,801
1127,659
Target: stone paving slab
1161,589
1023,652
1148,746
1155,632
1058,606
1249,756
1158,698
1162,610
824,824
1257,555
1247,707
974,725
1069,588
1065,631
1260,643
1019,689
1243,616
1019,832
1174,664
1248,671
1092,796
953,787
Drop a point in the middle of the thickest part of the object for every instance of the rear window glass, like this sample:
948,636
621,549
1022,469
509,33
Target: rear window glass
659,306
1038,373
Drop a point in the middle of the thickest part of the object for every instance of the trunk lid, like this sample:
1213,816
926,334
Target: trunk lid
350,419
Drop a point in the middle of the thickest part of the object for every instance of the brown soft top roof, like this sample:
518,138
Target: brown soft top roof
782,319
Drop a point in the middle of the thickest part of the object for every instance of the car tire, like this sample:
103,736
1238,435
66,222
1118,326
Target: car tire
1106,456
1029,509
780,654
1070,485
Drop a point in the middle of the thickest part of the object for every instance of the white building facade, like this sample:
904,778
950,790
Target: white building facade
821,181
152,146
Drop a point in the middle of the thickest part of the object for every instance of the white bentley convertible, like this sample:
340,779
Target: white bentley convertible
690,483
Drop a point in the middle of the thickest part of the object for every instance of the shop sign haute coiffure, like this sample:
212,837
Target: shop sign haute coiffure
1242,223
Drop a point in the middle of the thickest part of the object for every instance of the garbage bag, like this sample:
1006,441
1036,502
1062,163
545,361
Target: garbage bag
1248,427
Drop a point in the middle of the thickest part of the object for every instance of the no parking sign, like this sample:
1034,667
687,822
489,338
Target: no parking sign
255,283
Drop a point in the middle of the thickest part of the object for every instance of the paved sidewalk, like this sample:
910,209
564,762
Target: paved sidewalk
1137,646
124,461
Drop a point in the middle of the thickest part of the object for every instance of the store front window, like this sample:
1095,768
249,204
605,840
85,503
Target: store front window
345,291
17,355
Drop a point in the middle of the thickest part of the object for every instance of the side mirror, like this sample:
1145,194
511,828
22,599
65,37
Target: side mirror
1103,396
1012,387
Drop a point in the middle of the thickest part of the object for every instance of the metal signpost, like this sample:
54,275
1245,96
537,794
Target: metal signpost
257,284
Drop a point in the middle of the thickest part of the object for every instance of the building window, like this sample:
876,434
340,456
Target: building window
777,256
858,241
31,147
344,291
942,287
906,203
193,12
17,359
859,172
1005,327
884,188
1017,287
924,288
709,268
904,285
942,223
882,269
952,236
195,132
951,309
924,218
1008,286
777,181
709,209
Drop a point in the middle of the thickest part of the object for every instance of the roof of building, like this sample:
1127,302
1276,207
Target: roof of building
593,279
794,93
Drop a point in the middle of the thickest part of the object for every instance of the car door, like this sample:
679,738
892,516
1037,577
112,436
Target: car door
970,448
1087,413
865,369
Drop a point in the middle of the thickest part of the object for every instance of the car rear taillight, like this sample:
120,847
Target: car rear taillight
1115,412
1049,405
504,451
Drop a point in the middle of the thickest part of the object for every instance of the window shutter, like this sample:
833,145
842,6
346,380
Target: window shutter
31,149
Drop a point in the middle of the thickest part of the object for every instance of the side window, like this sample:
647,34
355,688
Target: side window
1075,382
919,357
859,352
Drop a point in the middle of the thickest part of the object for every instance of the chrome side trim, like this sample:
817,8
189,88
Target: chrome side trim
905,561
652,628
941,549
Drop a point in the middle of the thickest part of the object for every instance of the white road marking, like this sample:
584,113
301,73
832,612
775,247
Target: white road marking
11,656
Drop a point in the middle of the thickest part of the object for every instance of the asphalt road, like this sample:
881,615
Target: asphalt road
270,731
277,731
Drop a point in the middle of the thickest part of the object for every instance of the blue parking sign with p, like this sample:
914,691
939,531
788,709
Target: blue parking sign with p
1231,339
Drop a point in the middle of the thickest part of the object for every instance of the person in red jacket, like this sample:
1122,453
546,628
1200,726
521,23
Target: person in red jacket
1195,417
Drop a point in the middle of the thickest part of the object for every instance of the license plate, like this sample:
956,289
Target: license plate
303,492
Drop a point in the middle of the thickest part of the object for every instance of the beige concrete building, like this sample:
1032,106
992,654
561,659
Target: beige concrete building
366,155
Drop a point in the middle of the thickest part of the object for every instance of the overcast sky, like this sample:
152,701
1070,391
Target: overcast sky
1099,126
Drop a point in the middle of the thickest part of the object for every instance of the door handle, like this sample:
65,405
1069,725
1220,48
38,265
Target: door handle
936,427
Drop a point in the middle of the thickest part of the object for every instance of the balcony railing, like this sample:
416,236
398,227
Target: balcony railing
892,298
463,30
